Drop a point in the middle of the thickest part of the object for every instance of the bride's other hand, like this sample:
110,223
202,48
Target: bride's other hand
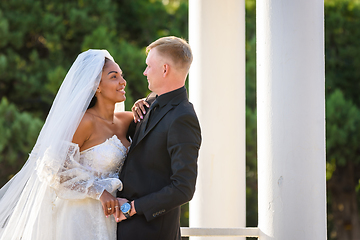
109,203
138,109
118,214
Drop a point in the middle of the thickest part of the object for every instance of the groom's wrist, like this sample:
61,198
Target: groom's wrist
133,210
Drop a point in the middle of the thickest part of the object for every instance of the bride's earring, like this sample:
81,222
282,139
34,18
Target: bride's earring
97,92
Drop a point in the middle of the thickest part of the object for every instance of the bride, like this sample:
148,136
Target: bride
65,189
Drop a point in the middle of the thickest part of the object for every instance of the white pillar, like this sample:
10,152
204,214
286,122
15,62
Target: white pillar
291,119
217,90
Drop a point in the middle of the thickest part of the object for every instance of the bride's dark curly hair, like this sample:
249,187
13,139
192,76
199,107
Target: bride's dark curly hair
94,99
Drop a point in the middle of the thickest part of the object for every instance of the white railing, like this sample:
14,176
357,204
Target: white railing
224,232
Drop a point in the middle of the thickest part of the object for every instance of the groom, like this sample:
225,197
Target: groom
160,171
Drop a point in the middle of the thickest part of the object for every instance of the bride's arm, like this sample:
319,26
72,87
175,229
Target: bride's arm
125,117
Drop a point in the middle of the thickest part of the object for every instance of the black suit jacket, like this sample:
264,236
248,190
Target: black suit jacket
160,171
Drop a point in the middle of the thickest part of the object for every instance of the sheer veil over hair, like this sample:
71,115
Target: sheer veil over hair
27,199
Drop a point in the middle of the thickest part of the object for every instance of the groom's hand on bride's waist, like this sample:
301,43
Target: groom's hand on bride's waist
119,215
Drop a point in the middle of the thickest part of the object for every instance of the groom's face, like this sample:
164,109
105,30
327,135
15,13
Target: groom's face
154,71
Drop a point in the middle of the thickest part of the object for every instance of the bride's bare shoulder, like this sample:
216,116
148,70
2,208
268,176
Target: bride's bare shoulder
84,130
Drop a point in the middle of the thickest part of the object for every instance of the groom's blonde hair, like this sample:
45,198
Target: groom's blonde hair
177,49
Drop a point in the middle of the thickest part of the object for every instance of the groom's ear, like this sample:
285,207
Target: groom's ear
166,69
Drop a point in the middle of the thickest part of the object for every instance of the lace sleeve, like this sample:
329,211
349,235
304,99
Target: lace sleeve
73,180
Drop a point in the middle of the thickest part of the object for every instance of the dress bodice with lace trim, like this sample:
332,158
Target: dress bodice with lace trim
105,158
90,172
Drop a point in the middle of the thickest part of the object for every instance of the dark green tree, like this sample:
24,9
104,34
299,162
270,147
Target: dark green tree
251,128
39,40
342,51
19,132
343,131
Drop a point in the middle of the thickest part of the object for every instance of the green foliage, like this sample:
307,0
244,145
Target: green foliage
342,52
251,168
343,47
343,129
251,128
184,218
18,133
39,40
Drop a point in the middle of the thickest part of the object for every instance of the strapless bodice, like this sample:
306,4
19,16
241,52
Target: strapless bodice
107,157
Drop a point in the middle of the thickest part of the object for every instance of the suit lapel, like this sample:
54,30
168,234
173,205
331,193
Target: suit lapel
142,127
137,132
141,132
155,120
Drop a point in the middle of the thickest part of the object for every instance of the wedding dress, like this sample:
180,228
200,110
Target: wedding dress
79,214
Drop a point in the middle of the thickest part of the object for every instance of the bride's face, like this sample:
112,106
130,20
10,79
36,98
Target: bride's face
112,84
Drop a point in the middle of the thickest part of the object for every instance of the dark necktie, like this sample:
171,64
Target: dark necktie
152,113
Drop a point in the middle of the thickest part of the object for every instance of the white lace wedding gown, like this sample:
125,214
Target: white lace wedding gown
77,211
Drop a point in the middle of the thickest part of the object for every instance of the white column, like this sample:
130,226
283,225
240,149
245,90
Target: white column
291,119
217,90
